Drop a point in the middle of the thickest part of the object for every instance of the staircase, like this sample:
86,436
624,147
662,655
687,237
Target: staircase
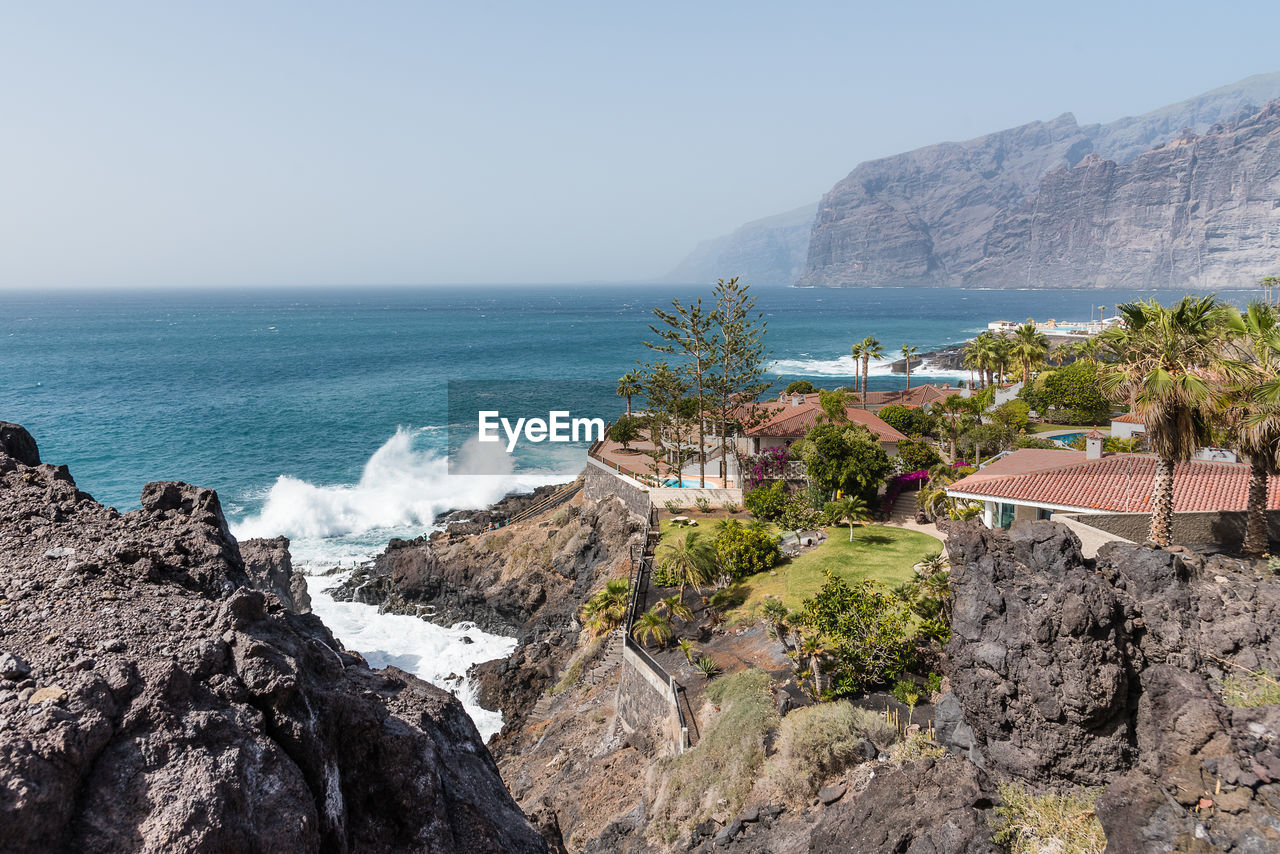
555,499
607,667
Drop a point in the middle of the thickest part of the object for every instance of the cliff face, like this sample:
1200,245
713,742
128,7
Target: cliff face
928,217
1200,211
151,701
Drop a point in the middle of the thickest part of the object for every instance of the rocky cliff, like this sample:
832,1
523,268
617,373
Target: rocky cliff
1111,673
151,701
526,580
1200,211
927,217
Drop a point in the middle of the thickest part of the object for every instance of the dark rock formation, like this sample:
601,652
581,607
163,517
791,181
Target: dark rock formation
1110,672
938,806
150,701
270,569
17,444
525,581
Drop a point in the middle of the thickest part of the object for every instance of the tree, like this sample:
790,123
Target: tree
1254,415
741,360
1268,285
675,608
690,561
605,611
871,349
1072,394
980,438
845,458
933,498
1029,347
800,387
867,632
687,331
652,625
911,421
1012,415
668,417
629,386
856,352
957,411
834,404
1168,359
625,431
851,509
797,516
907,353
916,456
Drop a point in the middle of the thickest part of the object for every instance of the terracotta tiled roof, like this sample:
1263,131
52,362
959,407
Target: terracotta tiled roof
1128,418
921,395
1025,461
1118,483
791,421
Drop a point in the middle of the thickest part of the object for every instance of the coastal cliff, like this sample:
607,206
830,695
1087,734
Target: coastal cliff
526,580
952,214
151,700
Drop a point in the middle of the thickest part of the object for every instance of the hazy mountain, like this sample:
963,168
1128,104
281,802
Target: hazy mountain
767,251
936,215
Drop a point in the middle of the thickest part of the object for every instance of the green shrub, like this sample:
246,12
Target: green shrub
1250,690
767,502
800,387
673,507
867,632
703,504
917,456
560,517
743,551
918,746
912,422
731,507
818,742
1029,823
625,430
724,764
907,692
1035,442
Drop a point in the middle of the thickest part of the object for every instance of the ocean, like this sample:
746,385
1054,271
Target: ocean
321,414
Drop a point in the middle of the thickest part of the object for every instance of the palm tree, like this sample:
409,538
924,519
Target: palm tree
691,560
652,626
851,508
907,352
674,607
956,409
972,359
856,351
1168,367
605,611
629,386
1254,416
871,349
1028,346
1001,357
775,614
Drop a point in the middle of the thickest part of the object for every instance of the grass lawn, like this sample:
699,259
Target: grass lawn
878,552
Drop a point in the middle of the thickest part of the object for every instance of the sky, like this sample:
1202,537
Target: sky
176,144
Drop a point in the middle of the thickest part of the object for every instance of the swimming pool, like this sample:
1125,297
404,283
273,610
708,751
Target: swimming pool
1067,438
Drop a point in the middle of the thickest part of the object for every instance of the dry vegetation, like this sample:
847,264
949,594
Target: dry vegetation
1053,822
818,742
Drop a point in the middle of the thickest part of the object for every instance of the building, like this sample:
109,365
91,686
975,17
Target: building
786,420
916,397
1034,484
1127,426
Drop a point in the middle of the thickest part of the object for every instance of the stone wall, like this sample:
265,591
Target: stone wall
686,497
646,708
600,482
1224,528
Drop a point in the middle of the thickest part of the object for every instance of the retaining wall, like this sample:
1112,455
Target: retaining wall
1225,528
600,482
645,707
687,497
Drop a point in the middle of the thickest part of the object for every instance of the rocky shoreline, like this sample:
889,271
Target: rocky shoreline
526,581
152,700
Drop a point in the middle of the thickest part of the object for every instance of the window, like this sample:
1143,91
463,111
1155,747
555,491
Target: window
1042,513
1004,515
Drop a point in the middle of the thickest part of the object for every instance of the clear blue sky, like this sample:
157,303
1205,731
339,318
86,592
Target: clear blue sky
182,144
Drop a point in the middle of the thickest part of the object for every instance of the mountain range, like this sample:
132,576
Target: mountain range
1185,195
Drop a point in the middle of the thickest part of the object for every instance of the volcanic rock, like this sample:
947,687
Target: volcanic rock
209,717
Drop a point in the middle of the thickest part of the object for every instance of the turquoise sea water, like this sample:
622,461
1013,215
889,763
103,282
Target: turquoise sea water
332,401
321,414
